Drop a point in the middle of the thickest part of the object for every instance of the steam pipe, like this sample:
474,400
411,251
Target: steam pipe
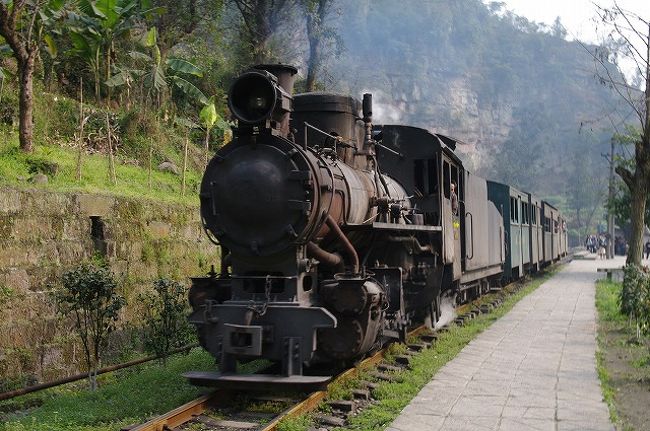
413,241
332,260
348,248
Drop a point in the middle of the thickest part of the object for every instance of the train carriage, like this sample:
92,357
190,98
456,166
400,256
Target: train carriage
536,233
551,233
509,201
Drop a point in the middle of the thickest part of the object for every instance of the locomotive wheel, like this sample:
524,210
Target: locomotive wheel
432,314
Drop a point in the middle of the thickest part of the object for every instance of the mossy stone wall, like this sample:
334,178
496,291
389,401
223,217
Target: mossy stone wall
43,233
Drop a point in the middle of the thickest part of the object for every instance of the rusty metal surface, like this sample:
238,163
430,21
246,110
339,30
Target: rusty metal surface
179,415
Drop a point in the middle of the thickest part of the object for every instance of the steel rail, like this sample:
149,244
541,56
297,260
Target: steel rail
188,411
180,415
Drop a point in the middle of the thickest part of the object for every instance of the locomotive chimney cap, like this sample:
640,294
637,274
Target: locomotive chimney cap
284,72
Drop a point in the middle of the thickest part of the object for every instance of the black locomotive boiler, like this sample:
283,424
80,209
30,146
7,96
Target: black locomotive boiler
336,236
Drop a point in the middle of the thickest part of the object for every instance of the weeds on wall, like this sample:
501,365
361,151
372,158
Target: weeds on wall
89,294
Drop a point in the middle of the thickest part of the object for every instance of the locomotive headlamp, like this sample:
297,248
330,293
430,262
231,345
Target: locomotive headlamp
261,99
253,97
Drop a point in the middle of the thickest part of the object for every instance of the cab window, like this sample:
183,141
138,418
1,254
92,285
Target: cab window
446,180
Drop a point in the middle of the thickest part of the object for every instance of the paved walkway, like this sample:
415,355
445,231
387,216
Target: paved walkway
533,369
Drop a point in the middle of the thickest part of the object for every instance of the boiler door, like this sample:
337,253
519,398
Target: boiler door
257,198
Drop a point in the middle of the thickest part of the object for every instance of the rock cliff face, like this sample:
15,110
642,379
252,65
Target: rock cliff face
454,109
43,233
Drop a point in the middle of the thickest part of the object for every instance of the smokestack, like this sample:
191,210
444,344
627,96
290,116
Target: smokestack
286,75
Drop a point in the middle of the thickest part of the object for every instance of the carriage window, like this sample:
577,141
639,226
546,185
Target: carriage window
517,219
514,210
445,178
523,212
454,179
526,213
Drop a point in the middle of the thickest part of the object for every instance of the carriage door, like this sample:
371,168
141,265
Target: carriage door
451,210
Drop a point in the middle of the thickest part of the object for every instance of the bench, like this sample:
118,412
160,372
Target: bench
610,271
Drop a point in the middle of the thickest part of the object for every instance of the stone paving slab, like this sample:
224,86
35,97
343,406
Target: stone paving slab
533,369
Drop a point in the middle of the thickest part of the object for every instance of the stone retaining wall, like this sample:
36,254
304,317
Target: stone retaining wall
44,233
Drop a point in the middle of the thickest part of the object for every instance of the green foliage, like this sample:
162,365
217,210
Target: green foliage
298,423
95,31
621,204
635,297
125,398
89,294
612,321
166,311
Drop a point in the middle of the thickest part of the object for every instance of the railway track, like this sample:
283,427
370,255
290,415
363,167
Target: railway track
225,410
217,411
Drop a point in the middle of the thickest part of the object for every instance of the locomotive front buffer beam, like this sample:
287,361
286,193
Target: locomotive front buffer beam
242,331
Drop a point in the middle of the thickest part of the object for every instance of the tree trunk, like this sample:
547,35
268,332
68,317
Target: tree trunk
26,103
312,64
639,196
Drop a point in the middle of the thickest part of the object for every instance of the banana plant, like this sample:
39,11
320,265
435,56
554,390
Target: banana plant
95,31
159,75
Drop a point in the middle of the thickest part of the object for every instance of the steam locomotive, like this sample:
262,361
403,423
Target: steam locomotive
337,235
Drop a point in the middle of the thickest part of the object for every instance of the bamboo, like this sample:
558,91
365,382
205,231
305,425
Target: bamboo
80,143
111,160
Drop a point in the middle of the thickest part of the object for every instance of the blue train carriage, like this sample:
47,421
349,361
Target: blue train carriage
563,246
551,220
536,233
516,225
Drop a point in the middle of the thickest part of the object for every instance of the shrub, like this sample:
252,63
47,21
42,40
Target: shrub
166,321
635,297
89,294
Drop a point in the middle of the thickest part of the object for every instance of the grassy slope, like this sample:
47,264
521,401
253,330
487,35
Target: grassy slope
623,362
132,180
56,121
608,313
